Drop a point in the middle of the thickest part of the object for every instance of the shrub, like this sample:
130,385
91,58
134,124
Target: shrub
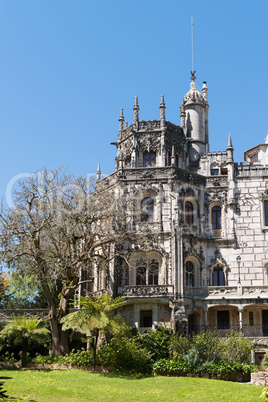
237,348
192,358
171,367
209,346
218,369
178,346
265,360
126,356
156,342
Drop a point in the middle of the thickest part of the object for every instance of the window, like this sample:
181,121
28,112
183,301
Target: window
214,172
250,317
189,274
266,212
216,217
153,274
218,278
147,274
188,213
149,159
146,318
147,210
141,276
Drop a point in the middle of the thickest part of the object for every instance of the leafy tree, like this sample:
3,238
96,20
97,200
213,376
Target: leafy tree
97,314
23,330
23,291
58,226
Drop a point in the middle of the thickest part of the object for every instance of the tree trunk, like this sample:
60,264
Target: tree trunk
95,349
24,352
56,346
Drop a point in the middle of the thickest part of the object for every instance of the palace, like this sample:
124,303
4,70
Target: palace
210,266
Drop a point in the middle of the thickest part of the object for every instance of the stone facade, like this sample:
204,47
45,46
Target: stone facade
209,267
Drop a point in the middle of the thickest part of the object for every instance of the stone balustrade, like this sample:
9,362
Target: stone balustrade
148,291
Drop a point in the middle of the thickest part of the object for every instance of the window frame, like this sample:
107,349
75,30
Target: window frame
216,217
188,213
147,210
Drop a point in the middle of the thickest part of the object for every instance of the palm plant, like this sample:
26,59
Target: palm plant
23,330
97,314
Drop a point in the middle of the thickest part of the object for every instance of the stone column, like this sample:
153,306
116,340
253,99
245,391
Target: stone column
240,311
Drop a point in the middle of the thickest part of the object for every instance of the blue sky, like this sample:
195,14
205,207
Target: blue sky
67,66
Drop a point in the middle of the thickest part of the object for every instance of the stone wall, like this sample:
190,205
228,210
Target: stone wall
260,378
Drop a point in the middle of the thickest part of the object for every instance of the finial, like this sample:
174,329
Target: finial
162,108
136,112
193,77
121,120
205,89
126,124
266,139
98,174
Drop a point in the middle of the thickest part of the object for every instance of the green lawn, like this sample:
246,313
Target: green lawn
78,385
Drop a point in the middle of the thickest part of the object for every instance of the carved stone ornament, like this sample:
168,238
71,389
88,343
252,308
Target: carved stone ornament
217,181
148,142
216,196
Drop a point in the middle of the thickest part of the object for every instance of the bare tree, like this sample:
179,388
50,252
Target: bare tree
58,225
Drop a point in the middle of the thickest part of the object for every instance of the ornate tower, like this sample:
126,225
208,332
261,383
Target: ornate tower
194,120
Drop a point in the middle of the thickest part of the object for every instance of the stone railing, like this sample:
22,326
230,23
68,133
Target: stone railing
222,290
255,290
195,291
149,124
99,293
148,291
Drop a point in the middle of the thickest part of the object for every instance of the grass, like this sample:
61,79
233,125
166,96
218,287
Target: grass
78,385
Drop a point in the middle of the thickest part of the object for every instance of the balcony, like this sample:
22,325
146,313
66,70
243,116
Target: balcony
147,291
250,331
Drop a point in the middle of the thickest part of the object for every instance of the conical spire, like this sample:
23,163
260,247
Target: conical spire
230,149
230,145
98,174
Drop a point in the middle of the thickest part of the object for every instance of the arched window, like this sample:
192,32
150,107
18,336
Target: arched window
188,213
216,217
153,273
218,278
147,210
189,274
147,273
149,159
141,275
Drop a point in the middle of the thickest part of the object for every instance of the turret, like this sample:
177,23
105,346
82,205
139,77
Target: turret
194,120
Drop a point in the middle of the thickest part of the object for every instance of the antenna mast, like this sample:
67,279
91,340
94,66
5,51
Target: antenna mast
192,29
